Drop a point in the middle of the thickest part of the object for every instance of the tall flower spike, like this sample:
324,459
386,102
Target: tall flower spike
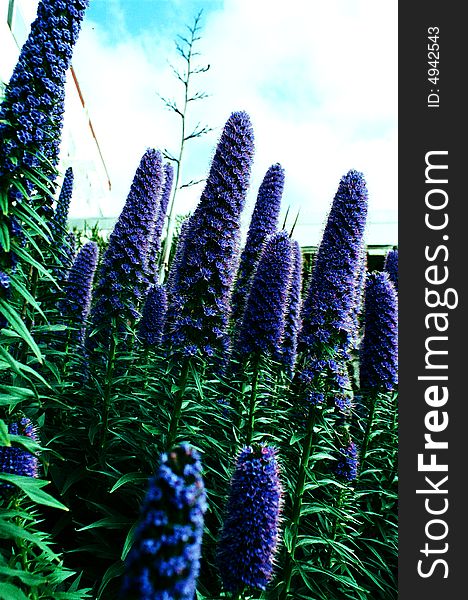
391,266
250,533
60,218
262,327
164,560
379,347
123,278
264,222
31,115
359,297
154,312
201,292
15,460
177,259
78,289
155,246
292,321
328,306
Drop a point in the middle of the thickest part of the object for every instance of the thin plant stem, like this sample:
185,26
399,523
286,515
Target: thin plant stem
108,386
177,411
178,162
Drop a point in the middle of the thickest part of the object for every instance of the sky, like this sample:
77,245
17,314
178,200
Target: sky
318,79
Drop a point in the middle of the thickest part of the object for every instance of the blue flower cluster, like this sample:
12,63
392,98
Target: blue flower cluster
262,326
78,289
379,347
391,266
154,313
164,560
31,115
328,306
155,246
201,290
123,281
15,460
347,466
249,537
264,222
292,322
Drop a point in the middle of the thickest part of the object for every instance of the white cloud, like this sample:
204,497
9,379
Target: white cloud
318,79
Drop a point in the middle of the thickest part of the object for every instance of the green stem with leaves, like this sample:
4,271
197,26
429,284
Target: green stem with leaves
339,504
108,384
368,431
177,410
297,504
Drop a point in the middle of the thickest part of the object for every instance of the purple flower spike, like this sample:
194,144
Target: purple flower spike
391,266
202,285
123,279
359,297
164,560
262,327
78,288
15,460
60,218
292,323
347,465
155,246
250,533
327,315
379,347
34,98
264,223
154,313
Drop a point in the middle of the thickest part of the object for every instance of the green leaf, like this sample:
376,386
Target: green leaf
4,436
8,591
17,324
32,488
133,477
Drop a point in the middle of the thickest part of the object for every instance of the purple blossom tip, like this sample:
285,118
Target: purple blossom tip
346,467
249,537
154,313
379,347
201,287
262,326
164,560
292,323
15,460
264,222
123,280
391,266
78,289
327,313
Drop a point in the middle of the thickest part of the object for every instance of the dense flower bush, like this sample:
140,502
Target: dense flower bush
227,433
